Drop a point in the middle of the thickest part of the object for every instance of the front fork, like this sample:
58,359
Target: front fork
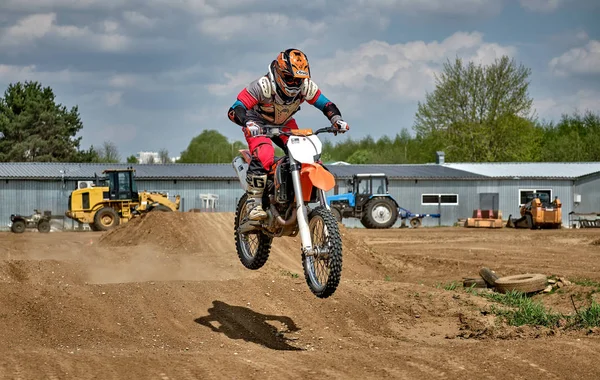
301,211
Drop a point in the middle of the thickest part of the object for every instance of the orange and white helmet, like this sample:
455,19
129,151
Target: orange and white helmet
288,71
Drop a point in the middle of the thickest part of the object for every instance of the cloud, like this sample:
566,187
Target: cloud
579,60
541,6
257,26
139,20
39,26
456,7
234,83
15,73
113,98
404,70
554,107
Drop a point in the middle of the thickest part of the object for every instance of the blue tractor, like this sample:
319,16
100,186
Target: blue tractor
368,200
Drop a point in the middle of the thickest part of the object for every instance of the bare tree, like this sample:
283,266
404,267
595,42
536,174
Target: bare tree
163,156
109,152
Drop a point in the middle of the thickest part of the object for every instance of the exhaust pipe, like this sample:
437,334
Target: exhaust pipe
278,217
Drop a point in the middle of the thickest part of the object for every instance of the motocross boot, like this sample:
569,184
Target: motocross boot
256,187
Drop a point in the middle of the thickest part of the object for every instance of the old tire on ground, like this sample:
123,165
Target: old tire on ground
325,235
252,255
43,226
106,218
161,208
18,227
415,222
380,212
489,276
474,282
336,213
525,283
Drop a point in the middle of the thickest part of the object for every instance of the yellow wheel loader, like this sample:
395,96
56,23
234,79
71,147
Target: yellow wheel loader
538,213
104,207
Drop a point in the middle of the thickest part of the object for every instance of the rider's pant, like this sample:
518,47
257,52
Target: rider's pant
263,152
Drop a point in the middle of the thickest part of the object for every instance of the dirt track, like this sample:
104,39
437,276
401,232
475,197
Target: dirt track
174,302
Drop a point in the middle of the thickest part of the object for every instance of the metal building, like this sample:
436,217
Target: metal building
452,189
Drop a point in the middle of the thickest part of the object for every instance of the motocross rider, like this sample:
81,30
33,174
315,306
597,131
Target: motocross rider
273,99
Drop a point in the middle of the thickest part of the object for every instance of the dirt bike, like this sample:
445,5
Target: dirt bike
294,181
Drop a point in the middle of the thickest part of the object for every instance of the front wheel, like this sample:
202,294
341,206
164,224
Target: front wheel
323,269
18,227
252,248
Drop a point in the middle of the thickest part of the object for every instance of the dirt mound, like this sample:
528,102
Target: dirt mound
171,231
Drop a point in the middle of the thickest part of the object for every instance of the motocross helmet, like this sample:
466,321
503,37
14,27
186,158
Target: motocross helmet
288,71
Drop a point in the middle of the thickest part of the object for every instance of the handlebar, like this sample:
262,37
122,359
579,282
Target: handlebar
276,130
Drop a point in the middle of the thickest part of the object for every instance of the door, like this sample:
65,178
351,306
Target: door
363,191
489,201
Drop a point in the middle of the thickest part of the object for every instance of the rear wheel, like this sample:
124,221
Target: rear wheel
18,227
43,226
323,269
106,218
380,213
253,247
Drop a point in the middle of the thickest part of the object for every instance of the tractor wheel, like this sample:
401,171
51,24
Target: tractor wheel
106,219
337,214
415,222
18,227
43,226
92,226
380,213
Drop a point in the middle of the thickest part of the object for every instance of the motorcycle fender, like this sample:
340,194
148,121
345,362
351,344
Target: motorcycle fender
315,175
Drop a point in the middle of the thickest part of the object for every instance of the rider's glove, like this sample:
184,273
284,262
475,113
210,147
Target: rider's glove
341,126
251,129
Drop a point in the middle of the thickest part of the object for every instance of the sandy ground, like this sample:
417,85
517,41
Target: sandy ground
168,299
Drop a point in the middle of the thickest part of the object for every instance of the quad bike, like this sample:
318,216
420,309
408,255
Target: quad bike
18,223
295,180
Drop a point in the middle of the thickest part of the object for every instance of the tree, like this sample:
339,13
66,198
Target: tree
210,147
163,156
475,110
109,153
574,138
36,128
132,159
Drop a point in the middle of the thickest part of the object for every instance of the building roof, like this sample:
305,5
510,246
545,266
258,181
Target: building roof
423,171
467,171
84,171
557,170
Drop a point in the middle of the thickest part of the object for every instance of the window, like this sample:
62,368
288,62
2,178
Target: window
526,194
434,199
379,185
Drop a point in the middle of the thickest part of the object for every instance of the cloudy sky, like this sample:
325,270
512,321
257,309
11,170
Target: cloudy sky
152,74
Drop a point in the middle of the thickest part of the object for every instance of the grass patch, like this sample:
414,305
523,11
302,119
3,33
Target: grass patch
523,310
449,286
587,282
587,317
290,274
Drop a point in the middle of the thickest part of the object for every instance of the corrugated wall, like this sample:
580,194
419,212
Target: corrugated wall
589,189
408,194
17,196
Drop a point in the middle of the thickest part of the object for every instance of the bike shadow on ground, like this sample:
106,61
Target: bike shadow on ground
238,322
